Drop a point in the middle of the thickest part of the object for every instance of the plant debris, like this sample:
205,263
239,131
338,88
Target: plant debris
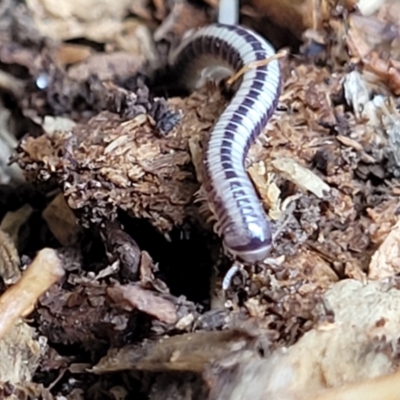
113,282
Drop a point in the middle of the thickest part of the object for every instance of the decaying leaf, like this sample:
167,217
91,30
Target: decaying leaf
62,221
12,221
132,297
386,260
302,177
189,352
80,93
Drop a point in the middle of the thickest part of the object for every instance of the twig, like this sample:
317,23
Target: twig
20,298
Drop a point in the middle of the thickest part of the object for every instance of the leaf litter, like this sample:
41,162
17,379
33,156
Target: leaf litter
141,307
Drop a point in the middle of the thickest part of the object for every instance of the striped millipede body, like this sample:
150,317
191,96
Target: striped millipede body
215,52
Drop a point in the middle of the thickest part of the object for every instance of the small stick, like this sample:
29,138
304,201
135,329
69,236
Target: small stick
255,64
19,300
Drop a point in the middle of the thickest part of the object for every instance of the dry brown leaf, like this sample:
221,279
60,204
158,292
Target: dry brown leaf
131,297
72,18
302,177
62,221
385,262
67,54
13,221
106,66
187,352
296,16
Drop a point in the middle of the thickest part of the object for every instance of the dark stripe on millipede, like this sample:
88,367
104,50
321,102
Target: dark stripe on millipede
209,45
